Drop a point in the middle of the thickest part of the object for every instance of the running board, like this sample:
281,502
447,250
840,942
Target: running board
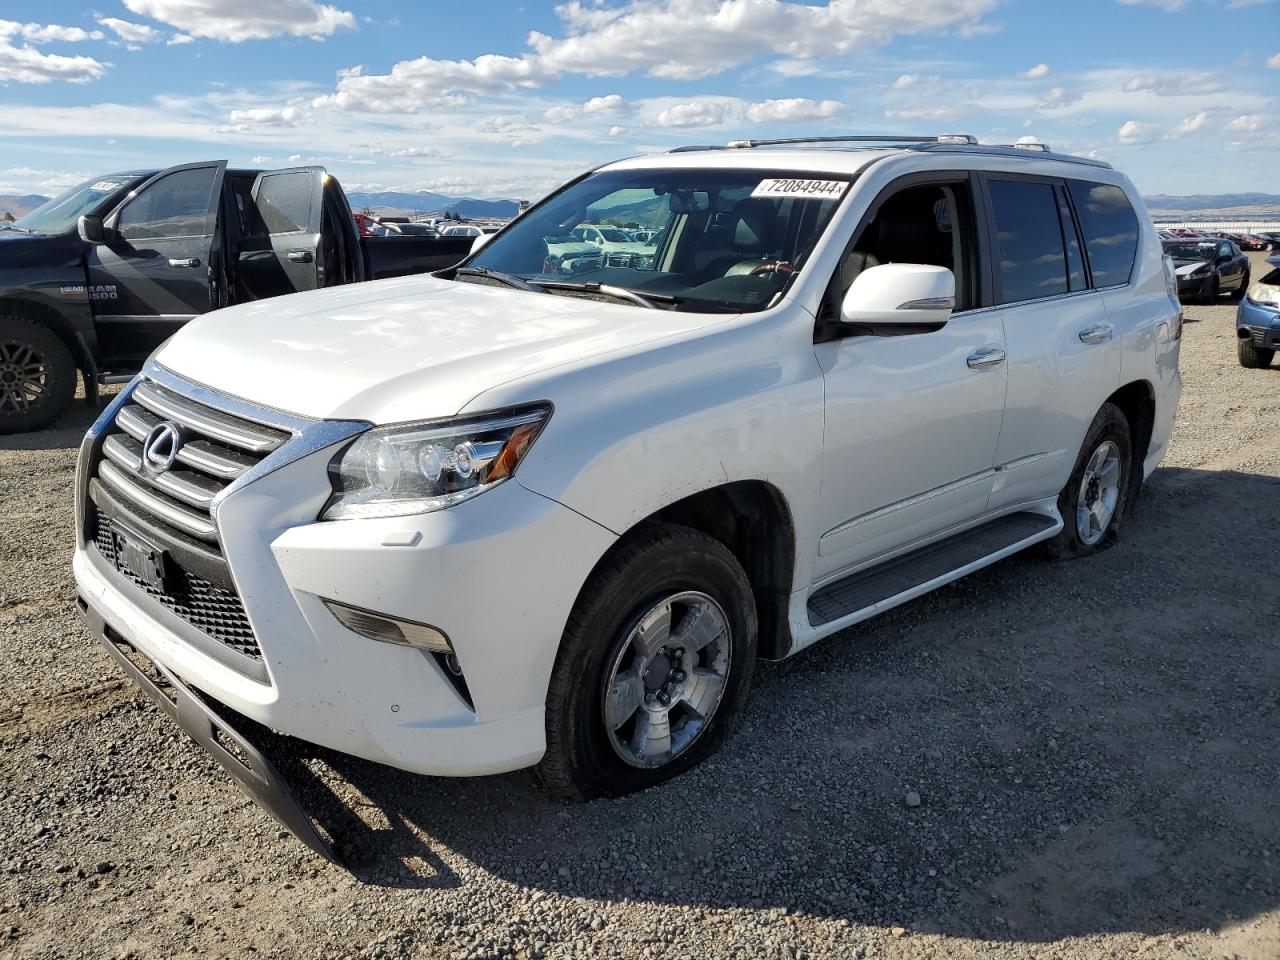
868,592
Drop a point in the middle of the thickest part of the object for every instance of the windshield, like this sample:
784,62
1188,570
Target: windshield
61,213
725,240
1191,250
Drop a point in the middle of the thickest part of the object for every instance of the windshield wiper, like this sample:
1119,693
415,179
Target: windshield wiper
497,275
649,300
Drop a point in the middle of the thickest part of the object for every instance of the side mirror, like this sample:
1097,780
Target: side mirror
480,241
900,294
93,230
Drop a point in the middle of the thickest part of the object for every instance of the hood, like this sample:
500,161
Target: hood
610,247
1184,267
24,250
411,348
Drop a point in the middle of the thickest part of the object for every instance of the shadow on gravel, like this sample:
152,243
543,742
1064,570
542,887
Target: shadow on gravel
1095,745
65,434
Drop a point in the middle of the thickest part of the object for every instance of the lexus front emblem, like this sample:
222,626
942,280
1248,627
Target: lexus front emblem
161,446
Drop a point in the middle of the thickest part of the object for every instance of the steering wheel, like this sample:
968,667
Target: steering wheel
772,266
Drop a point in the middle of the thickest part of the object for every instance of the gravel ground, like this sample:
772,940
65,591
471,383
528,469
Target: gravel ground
1093,747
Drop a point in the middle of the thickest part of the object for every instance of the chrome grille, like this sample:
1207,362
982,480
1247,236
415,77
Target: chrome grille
216,449
176,503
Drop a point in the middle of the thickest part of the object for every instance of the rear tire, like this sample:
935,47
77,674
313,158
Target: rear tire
37,375
632,639
1253,357
1096,496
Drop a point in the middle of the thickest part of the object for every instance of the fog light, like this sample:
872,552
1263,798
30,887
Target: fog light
377,626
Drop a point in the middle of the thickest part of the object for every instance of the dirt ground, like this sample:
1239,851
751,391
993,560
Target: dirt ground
1096,746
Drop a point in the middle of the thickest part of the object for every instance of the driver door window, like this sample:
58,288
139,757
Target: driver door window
176,205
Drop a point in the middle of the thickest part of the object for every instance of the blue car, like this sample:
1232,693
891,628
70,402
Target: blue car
1258,320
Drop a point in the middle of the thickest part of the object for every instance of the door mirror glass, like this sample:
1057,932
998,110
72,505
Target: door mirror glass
92,230
909,294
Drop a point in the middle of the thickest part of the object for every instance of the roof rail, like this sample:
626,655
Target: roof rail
966,138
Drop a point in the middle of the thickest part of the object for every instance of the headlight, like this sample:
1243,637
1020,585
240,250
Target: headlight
1265,294
423,467
1201,270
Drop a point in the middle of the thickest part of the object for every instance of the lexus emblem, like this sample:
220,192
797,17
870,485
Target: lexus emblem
161,446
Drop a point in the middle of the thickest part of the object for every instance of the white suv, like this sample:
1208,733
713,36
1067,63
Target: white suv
510,516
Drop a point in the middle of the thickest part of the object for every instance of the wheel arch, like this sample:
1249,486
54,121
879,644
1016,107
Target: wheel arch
1137,401
753,519
54,321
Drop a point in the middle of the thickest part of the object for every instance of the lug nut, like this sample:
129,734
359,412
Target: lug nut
664,698
678,676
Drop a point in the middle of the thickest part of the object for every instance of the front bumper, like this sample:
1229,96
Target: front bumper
1194,288
498,574
1258,323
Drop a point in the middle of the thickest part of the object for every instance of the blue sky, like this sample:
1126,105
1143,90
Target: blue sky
489,98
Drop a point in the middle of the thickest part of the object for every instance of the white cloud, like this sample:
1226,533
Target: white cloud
1036,72
129,31
1135,131
1248,123
1190,125
942,111
26,64
46,33
617,131
1056,97
1274,62
234,21
180,38
267,117
607,106
1169,6
697,113
1174,83
793,110
674,39
260,158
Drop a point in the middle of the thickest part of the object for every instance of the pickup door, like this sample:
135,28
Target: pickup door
154,274
281,249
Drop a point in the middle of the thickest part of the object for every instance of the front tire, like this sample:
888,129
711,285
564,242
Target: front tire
1094,500
37,375
1211,290
1253,357
654,665
1237,294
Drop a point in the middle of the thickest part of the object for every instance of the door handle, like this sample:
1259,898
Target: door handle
1098,333
300,256
987,356
188,262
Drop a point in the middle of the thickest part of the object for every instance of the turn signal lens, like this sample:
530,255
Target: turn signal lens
377,626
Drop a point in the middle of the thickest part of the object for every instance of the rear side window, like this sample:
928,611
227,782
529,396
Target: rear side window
1029,243
1110,230
283,203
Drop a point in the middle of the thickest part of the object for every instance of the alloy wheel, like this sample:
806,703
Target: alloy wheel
1099,493
24,376
667,679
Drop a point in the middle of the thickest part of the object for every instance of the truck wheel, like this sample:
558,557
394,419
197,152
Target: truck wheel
37,375
654,666
1093,502
1253,357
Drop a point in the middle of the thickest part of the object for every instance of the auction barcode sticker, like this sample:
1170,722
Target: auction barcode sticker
818,189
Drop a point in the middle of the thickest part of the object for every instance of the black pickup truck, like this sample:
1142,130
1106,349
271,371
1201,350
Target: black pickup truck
95,279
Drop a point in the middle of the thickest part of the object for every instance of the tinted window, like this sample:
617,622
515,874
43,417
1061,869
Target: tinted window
1110,230
176,205
1028,240
283,203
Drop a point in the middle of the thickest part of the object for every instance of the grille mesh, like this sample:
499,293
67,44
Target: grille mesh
210,609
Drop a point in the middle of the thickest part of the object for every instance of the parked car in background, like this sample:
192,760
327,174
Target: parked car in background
1271,237
1207,268
568,254
499,518
467,230
411,229
94,280
1258,319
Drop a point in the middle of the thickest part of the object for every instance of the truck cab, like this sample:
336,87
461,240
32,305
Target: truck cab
96,279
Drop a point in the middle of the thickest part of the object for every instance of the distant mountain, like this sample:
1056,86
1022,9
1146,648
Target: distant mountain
395,203
1231,205
20,206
